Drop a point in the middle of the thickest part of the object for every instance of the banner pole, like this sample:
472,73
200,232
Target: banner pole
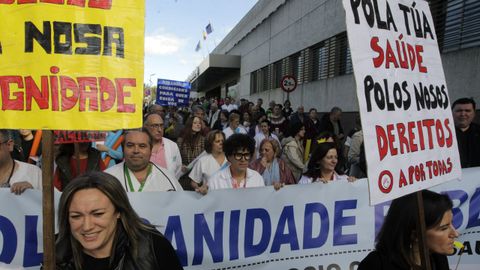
48,201
421,234
76,147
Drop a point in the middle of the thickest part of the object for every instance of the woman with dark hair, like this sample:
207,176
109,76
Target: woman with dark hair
68,167
321,167
210,163
265,133
397,244
98,229
247,120
222,122
239,150
293,151
278,122
191,146
287,108
272,168
327,136
258,118
27,137
192,142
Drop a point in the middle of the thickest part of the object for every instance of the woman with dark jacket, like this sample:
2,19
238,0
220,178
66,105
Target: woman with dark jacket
98,229
222,122
397,246
68,167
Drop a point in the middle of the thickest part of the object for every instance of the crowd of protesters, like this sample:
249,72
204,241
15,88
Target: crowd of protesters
213,145
218,143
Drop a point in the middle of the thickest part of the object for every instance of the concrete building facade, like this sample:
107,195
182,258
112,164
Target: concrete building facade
307,39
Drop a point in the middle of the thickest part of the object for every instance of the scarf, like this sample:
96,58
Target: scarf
272,174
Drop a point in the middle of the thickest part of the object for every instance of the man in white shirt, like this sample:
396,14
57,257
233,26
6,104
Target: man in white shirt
239,149
16,175
229,106
137,173
234,126
165,153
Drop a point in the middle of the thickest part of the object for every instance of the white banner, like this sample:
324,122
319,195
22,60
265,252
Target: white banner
403,97
316,226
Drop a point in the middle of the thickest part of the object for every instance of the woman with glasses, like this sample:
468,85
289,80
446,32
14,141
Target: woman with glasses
272,168
16,175
239,149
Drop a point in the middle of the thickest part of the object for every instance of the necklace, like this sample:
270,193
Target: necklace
7,183
235,183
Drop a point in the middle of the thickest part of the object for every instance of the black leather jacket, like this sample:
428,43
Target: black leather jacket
122,260
65,172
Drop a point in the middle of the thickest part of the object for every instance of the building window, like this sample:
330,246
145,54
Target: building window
331,58
343,61
326,59
253,83
296,66
320,61
278,73
265,85
457,23
349,65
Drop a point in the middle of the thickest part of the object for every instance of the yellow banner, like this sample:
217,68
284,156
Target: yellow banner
71,64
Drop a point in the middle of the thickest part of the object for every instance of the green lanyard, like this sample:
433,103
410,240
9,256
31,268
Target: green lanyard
127,175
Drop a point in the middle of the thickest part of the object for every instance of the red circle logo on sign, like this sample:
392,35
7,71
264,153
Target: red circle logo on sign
288,83
385,182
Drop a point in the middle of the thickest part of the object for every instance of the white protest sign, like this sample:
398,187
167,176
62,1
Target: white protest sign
403,99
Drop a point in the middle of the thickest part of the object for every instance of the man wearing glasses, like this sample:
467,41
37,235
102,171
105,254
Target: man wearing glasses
16,175
165,152
239,149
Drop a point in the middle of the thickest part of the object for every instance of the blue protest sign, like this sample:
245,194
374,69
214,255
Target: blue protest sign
173,93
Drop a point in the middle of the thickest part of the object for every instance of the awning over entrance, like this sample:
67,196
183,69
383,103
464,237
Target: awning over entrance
213,71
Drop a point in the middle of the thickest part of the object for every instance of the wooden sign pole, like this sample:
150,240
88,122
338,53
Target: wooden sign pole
76,147
48,201
421,234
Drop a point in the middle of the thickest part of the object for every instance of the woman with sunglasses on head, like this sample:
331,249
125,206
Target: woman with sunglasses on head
397,246
239,149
